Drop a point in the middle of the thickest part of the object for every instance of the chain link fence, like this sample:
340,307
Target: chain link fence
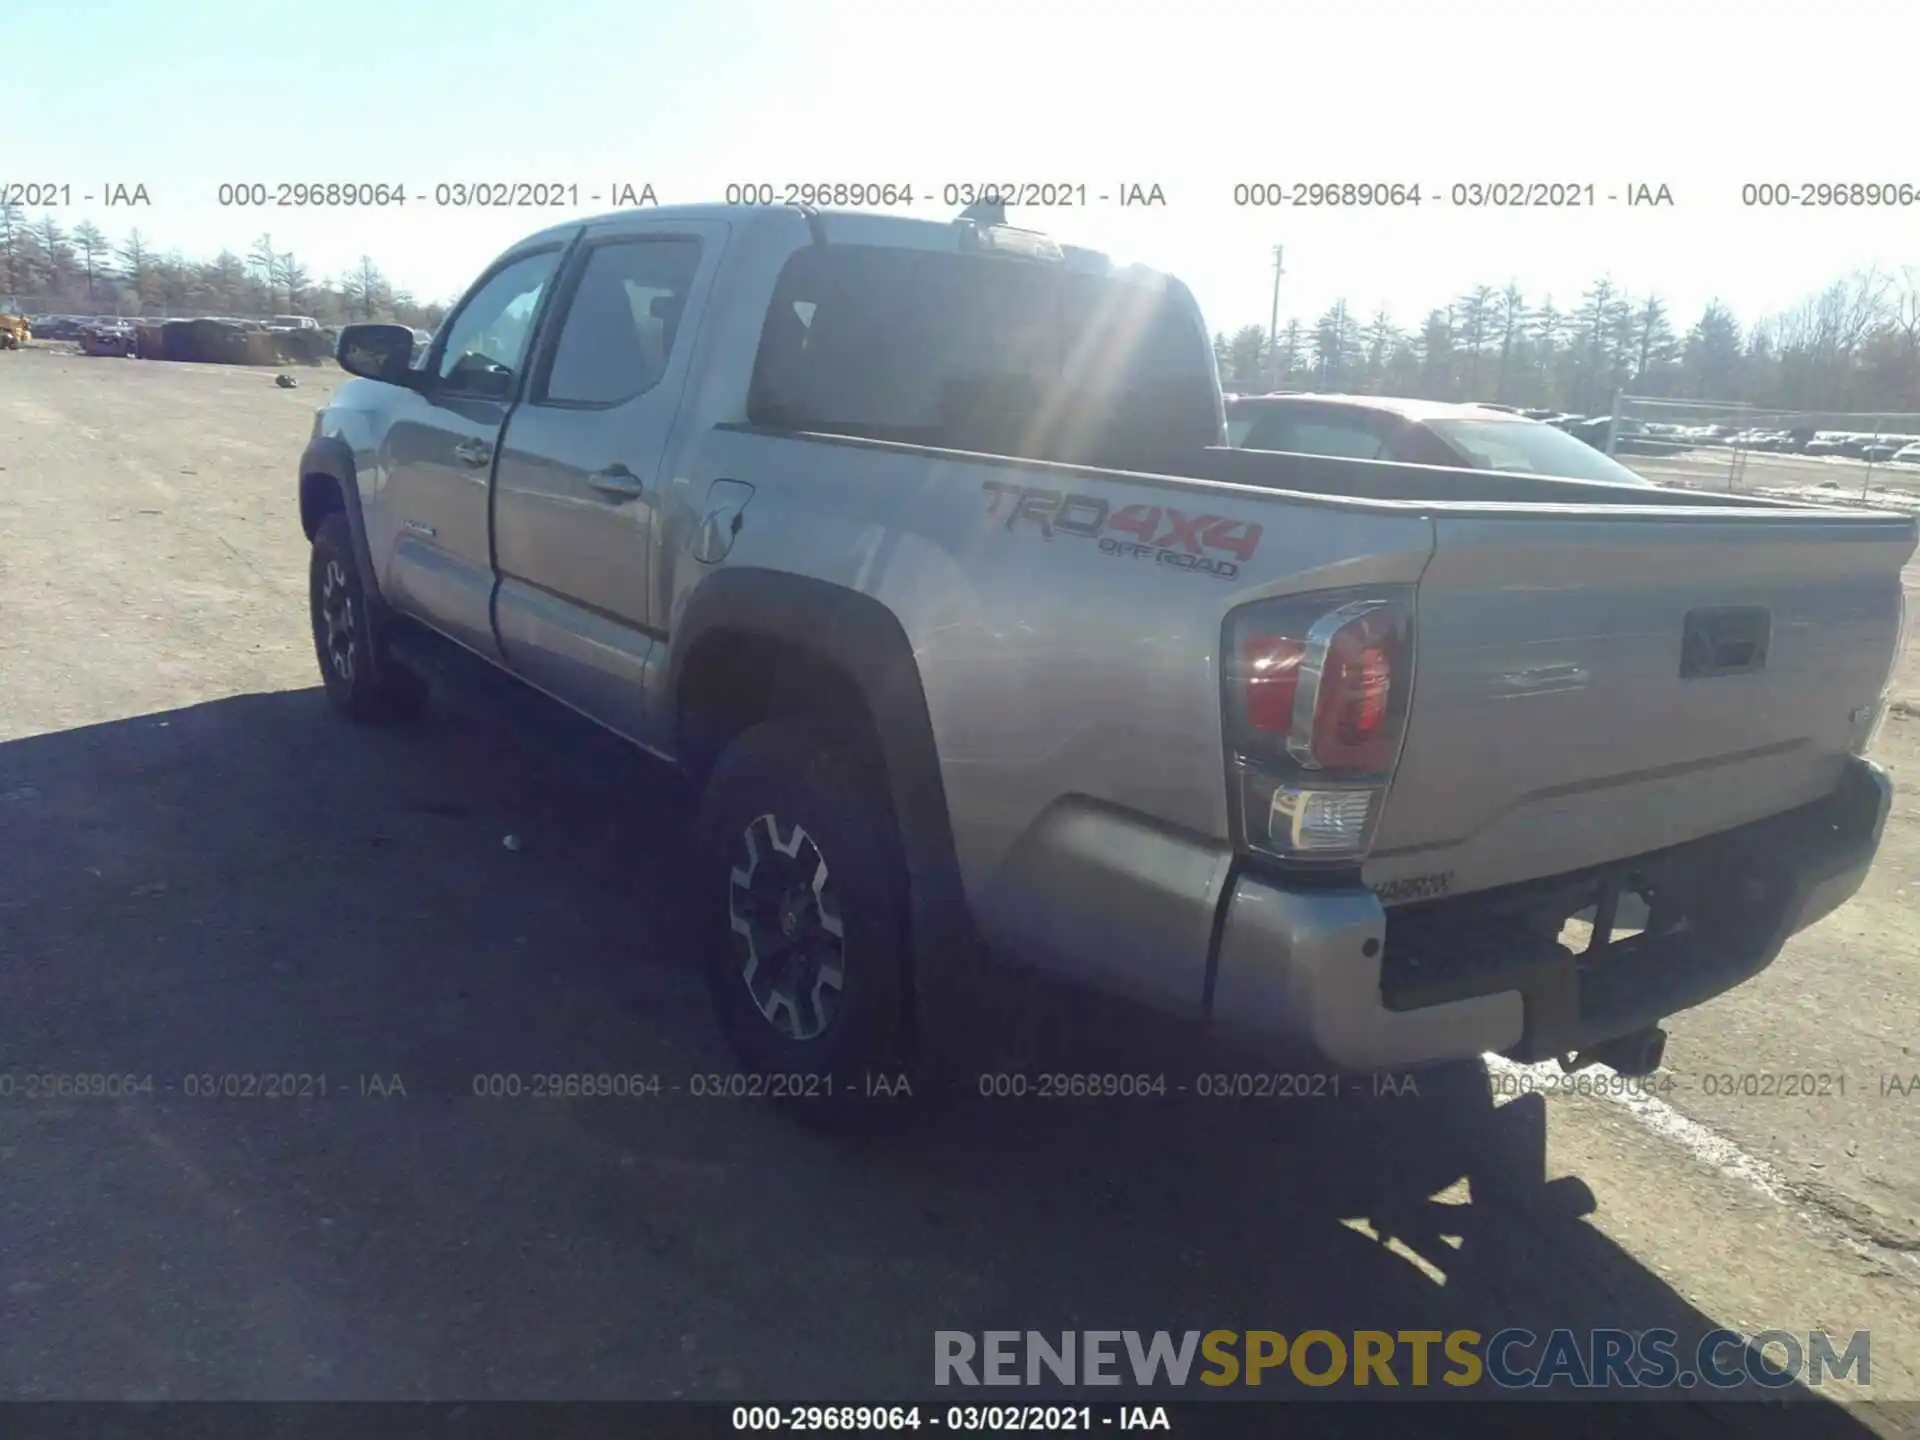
1811,454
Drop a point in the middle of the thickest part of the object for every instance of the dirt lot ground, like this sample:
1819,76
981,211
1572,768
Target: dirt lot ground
1721,469
203,873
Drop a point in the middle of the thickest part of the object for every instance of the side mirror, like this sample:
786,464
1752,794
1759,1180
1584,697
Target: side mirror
378,352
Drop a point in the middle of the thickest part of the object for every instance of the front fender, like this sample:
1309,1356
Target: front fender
327,469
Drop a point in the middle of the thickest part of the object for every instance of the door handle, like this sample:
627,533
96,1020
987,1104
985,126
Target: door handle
474,452
618,483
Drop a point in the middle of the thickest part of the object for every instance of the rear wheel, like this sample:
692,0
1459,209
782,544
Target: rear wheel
807,921
360,681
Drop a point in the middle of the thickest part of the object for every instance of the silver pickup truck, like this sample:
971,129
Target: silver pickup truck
918,547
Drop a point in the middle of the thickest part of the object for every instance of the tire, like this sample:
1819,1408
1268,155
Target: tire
801,786
358,684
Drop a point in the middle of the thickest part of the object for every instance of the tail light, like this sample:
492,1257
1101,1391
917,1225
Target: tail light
1316,691
1867,729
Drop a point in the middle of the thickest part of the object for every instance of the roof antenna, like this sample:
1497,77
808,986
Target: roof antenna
990,211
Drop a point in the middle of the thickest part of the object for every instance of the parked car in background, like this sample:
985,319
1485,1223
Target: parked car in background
1884,449
293,322
1634,437
1419,432
1825,442
1629,437
111,337
1665,439
1907,454
1590,430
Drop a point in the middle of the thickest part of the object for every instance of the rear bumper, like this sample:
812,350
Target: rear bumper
1741,895
1333,974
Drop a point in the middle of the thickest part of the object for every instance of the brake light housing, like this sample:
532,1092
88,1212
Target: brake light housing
1316,691
1867,728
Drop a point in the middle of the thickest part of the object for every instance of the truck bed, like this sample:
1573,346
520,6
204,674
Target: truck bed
1551,726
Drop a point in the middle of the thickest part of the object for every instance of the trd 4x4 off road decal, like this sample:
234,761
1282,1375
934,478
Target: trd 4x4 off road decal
1158,533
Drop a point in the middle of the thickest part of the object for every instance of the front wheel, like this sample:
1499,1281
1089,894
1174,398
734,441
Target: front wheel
807,920
360,682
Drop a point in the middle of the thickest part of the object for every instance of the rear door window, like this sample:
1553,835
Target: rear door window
621,322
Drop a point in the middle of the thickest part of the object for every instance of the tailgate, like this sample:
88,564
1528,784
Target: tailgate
1590,687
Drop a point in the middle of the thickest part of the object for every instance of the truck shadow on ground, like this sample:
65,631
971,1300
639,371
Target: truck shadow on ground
251,887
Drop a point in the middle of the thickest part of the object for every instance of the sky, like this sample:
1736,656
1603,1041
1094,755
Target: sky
1195,97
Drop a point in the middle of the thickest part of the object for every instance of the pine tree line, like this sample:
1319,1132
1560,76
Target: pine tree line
49,267
1853,347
